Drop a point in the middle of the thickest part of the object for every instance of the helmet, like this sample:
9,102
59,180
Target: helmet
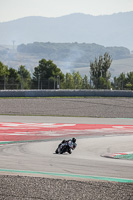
73,140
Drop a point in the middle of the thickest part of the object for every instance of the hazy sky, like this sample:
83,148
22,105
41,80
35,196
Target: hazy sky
14,9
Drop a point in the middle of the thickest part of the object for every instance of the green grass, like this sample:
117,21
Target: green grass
66,97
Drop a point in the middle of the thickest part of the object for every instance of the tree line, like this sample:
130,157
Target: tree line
45,76
48,76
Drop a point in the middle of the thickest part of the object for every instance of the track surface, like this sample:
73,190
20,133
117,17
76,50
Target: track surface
87,159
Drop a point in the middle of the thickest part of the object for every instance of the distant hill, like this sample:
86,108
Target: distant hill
72,52
107,30
68,57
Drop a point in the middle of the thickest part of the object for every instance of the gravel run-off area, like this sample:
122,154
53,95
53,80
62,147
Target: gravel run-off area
26,188
78,107
30,188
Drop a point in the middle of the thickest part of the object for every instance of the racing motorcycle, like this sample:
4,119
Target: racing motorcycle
66,146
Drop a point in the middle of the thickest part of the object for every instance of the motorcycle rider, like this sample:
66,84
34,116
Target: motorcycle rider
71,143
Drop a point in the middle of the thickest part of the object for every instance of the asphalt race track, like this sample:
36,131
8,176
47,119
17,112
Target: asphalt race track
87,159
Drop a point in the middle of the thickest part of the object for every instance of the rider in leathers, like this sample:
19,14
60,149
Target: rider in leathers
71,143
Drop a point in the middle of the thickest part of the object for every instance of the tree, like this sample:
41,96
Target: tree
78,82
73,81
120,82
46,71
3,75
99,73
13,79
85,83
68,81
129,84
25,77
124,81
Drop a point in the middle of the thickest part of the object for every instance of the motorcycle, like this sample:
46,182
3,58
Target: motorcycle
66,146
